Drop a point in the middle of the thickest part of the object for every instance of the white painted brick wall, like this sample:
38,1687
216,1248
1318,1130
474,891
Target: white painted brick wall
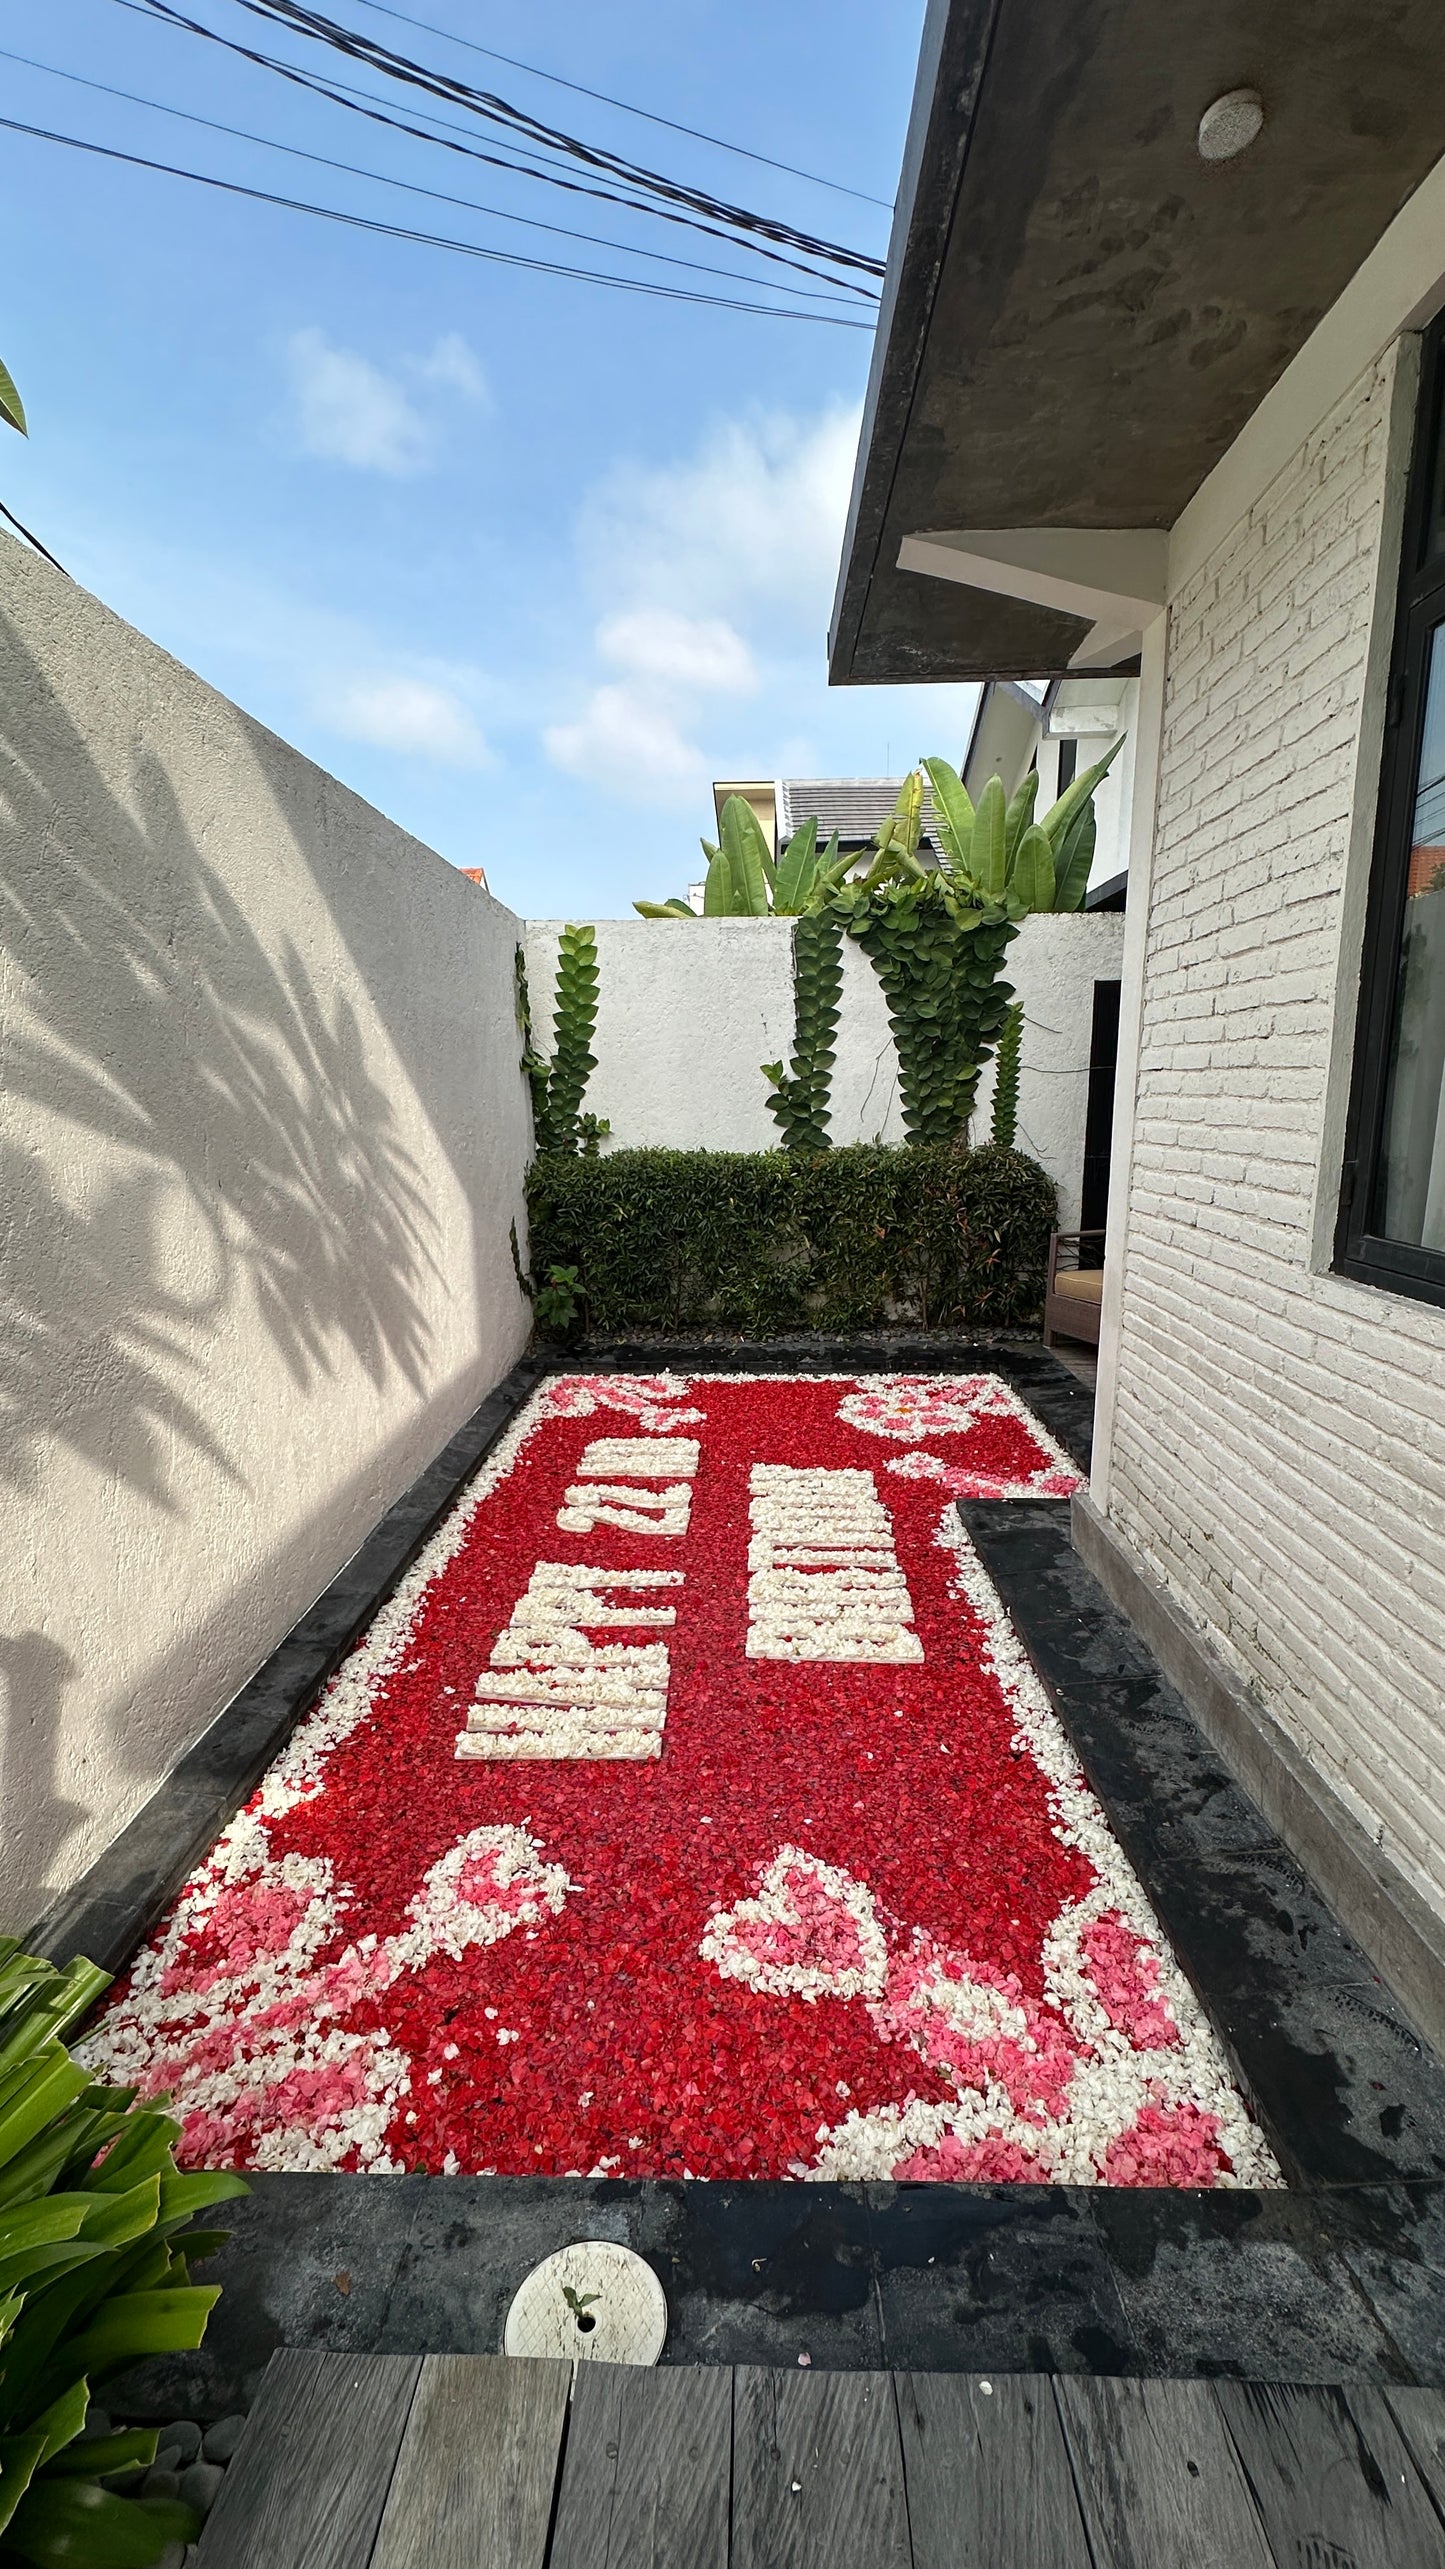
1279,1455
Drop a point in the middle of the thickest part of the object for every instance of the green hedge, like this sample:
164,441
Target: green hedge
763,1241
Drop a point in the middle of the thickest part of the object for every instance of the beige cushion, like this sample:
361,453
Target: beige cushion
1080,1284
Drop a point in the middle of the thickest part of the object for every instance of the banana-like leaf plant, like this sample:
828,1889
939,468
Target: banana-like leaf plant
744,882
94,2242
937,934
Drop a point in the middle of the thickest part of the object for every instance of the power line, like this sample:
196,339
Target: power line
343,94
432,240
305,21
580,90
440,196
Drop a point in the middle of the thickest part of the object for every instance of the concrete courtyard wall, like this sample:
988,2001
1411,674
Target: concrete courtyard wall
262,1134
687,1013
1278,1440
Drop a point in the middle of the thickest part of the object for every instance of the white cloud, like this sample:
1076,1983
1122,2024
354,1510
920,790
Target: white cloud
746,535
413,715
755,518
631,746
699,655
453,365
350,412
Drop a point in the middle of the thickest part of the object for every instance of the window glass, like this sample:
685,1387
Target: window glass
1410,1203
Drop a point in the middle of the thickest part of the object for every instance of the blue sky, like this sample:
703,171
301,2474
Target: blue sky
526,562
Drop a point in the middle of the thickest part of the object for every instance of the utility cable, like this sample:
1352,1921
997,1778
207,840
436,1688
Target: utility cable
432,240
739,151
343,94
301,20
469,204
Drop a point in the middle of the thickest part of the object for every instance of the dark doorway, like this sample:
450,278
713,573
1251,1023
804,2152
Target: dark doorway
1099,1120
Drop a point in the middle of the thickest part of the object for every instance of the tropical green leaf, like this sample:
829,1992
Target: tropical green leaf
1073,860
907,815
39,2092
72,2524
102,2456
1057,819
748,856
663,909
796,868
12,408
990,823
144,2146
37,2225
1032,881
952,813
131,2325
1018,816
717,897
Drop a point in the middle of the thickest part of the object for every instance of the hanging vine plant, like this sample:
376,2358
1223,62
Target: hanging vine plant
800,1100
1006,1078
559,1085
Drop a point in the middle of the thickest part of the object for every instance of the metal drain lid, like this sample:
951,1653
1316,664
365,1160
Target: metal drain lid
594,2301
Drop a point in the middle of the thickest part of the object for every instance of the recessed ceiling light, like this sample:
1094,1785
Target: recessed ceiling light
1230,125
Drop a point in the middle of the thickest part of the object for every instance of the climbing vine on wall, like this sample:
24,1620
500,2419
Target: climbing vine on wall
559,1085
799,1100
1006,1078
936,934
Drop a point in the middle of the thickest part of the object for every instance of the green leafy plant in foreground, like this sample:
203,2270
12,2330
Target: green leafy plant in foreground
94,2276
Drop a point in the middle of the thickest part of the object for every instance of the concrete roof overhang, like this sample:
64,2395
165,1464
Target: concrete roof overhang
1081,313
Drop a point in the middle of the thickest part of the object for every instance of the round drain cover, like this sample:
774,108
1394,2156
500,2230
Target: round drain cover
593,2300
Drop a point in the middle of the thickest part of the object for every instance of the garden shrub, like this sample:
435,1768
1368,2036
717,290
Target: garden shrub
764,1241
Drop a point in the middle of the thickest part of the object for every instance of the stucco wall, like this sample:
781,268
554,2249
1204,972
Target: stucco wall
262,1135
1278,1446
686,1014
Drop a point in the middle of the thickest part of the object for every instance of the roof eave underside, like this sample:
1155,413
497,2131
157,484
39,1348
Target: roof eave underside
1080,314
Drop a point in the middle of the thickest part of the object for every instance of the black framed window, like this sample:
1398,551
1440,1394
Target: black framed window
1392,1206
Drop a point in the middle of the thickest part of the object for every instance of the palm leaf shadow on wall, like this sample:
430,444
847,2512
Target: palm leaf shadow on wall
146,1012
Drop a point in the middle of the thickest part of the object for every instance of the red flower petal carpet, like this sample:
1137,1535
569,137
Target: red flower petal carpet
691,1810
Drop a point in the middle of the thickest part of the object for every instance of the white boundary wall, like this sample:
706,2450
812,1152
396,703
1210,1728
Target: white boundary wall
688,1011
1271,1437
262,1133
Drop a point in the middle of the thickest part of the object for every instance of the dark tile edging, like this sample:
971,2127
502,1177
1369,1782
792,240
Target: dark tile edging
108,1913
1340,2287
1404,1937
1344,2086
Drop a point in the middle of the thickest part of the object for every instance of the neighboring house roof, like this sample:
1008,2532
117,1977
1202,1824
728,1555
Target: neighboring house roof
854,806
475,874
1080,314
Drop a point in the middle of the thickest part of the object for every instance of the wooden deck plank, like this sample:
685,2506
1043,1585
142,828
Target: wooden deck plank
477,2471
1420,2417
1158,2477
817,2472
1331,2477
645,2481
309,2481
987,2471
